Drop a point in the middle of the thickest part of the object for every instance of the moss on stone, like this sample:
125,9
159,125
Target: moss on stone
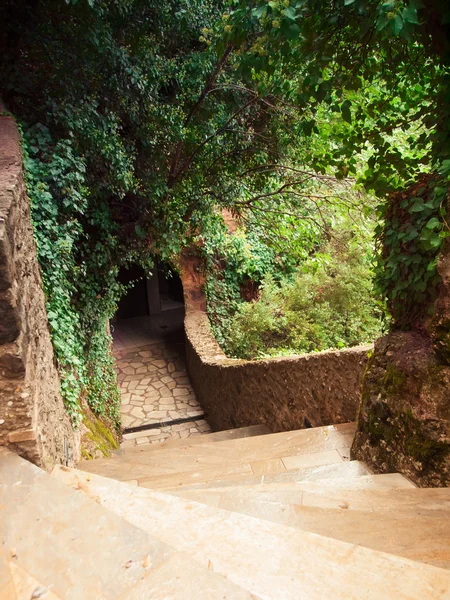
379,429
394,380
97,438
85,455
441,342
402,432
428,452
420,447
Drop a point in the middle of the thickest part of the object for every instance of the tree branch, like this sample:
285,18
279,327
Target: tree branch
190,158
209,85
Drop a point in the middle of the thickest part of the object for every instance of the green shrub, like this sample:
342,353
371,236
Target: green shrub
328,303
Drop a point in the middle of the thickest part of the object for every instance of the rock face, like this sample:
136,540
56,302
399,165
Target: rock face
33,420
404,418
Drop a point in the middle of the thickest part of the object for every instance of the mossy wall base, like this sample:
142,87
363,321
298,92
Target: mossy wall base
404,418
98,439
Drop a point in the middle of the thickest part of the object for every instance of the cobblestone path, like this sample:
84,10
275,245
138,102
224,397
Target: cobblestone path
154,385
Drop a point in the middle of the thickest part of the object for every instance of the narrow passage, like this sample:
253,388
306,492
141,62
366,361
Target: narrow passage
154,384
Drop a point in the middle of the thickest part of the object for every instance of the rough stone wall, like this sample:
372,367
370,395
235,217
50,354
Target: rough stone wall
33,421
404,421
284,393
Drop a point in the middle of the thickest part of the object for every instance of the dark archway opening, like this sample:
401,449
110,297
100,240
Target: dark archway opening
149,295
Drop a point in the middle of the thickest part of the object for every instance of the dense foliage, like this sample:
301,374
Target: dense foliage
328,303
288,283
141,118
383,68
414,226
102,91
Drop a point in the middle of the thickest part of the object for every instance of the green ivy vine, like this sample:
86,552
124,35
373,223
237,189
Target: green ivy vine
79,303
410,237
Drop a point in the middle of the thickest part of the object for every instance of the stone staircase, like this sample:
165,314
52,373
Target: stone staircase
229,515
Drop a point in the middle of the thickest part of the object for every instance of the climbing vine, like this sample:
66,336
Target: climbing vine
79,273
414,227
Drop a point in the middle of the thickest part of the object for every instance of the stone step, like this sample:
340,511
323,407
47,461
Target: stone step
58,543
183,578
199,440
258,455
269,560
389,481
388,516
352,468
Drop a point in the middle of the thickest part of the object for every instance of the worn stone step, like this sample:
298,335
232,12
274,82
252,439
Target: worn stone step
181,577
64,543
339,470
292,445
407,500
200,440
258,455
270,560
389,481
389,516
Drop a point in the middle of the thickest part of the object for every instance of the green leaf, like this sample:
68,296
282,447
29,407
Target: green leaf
409,14
397,24
433,223
289,13
259,11
417,207
412,235
445,167
290,29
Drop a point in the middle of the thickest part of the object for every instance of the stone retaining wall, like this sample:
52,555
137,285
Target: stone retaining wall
33,421
284,393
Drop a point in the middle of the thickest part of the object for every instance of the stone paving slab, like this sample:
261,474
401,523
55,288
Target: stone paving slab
155,388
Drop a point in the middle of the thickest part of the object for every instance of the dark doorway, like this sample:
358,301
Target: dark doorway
170,289
149,295
135,302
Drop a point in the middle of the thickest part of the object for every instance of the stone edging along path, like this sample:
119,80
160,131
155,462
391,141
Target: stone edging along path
285,393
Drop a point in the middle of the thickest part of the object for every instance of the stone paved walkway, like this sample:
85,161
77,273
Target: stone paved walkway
153,380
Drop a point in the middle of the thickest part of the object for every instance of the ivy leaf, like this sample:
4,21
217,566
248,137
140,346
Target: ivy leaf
397,24
409,14
433,223
259,12
290,30
289,13
433,264
444,168
411,235
418,206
